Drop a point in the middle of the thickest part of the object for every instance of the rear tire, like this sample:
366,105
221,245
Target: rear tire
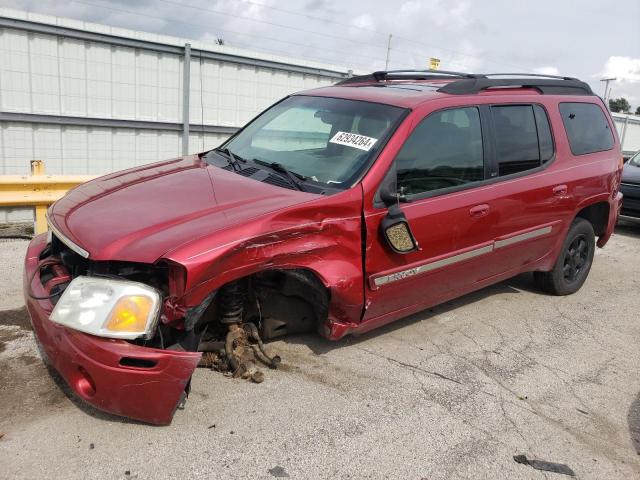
574,262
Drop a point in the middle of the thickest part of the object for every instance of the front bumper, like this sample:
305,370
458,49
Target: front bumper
631,202
92,366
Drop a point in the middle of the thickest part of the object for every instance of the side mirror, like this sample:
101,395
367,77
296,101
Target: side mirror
397,231
391,196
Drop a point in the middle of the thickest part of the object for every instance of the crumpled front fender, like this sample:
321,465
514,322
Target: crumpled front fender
324,237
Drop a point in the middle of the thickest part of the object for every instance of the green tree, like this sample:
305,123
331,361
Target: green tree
638,111
619,105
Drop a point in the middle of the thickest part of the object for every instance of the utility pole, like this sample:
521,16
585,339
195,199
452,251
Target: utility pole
386,63
607,92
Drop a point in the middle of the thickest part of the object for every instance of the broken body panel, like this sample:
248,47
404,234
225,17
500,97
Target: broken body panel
96,369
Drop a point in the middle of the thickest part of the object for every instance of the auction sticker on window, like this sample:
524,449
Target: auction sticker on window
354,140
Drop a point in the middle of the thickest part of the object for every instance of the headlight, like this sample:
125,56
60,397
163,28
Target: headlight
108,308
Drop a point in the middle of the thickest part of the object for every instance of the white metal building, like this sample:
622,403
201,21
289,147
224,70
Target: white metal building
90,99
628,127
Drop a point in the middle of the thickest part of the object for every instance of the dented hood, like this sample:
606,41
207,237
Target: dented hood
140,214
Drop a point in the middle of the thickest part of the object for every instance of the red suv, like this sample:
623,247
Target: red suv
338,209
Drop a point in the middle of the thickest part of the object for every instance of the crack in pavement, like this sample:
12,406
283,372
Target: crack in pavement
408,365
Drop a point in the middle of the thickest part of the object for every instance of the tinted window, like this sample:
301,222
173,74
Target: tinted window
544,133
587,128
444,150
516,138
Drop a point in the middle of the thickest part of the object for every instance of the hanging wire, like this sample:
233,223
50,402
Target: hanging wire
300,29
334,22
226,31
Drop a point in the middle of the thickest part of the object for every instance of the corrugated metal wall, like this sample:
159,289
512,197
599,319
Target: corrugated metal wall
90,150
90,99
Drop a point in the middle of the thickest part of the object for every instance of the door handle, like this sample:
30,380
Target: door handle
479,210
560,190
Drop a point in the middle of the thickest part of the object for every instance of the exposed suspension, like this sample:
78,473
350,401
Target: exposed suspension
242,344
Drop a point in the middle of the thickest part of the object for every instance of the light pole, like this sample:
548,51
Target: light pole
607,92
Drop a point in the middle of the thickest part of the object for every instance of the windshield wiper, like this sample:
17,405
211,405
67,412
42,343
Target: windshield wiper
233,160
294,178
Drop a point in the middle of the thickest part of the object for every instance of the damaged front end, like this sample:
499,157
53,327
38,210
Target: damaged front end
130,378
143,371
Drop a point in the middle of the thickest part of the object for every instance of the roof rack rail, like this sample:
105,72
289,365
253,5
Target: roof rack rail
383,75
545,84
534,75
468,83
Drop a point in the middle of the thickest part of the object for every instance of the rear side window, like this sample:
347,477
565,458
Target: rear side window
545,140
443,151
587,128
522,136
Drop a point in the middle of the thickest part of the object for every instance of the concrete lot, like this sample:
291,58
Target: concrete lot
453,392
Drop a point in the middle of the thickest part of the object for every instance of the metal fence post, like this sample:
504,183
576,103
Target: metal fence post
186,90
624,132
40,225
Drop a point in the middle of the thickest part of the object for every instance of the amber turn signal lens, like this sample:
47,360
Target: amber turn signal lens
130,314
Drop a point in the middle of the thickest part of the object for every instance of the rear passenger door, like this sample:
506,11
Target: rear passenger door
533,205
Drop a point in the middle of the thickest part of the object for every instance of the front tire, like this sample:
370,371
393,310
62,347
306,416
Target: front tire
574,262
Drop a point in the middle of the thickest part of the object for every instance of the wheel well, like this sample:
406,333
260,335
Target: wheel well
282,302
598,215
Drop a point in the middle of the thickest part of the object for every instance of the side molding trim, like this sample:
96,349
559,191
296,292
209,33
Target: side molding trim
379,281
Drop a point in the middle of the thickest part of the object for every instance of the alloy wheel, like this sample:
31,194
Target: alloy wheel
575,258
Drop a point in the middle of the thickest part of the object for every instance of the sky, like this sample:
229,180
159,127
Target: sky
588,39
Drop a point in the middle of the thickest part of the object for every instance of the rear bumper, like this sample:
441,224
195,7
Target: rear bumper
91,365
614,211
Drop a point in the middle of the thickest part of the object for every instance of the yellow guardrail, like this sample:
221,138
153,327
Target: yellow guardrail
37,190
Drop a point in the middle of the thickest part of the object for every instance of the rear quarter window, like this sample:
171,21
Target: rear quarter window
587,128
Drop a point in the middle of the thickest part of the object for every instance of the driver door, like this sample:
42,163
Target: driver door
440,169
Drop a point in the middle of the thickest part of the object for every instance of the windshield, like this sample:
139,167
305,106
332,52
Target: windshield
325,140
635,160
